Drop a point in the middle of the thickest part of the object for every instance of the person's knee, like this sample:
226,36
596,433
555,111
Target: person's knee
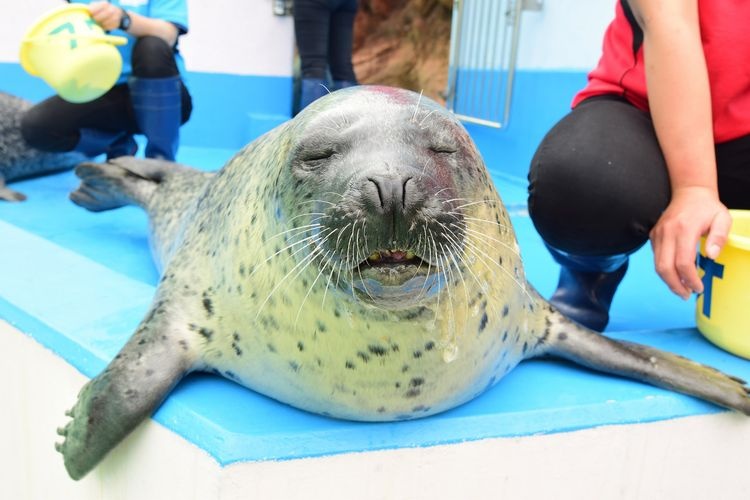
153,58
37,130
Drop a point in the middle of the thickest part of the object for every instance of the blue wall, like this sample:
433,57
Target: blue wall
231,110
228,110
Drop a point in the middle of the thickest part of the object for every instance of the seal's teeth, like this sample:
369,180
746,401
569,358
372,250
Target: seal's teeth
374,256
410,254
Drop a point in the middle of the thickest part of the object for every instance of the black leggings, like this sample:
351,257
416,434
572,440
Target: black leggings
53,125
598,182
324,33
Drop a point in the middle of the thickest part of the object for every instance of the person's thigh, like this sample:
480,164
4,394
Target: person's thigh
598,181
733,163
54,124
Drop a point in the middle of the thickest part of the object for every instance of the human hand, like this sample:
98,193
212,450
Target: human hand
692,213
106,15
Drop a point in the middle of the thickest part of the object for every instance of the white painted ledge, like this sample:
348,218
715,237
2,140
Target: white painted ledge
690,458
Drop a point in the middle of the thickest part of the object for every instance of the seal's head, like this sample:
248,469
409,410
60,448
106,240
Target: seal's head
387,191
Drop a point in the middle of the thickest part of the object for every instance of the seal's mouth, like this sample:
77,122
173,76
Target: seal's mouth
393,267
391,258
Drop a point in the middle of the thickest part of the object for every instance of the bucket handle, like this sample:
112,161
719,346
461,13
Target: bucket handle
114,40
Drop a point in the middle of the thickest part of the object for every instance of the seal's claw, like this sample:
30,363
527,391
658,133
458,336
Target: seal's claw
10,195
62,431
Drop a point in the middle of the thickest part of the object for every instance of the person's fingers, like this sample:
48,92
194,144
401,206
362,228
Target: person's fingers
684,262
664,262
718,233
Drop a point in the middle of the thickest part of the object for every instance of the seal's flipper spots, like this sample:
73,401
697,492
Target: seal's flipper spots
111,405
660,368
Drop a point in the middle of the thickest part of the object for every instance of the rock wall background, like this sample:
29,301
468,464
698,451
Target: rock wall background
404,43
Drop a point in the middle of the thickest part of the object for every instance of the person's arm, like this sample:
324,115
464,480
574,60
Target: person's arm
680,102
109,16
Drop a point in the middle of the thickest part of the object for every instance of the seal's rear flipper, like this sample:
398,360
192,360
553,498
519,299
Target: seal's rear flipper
571,341
119,182
111,405
8,194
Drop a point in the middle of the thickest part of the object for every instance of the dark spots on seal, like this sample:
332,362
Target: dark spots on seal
500,261
420,409
300,346
337,313
562,336
505,335
350,365
269,322
381,409
506,310
305,283
235,344
525,347
206,333
412,393
417,354
395,348
397,385
363,356
242,270
271,348
183,344
149,372
294,366
416,382
253,219
429,346
413,314
208,305
404,368
230,375
377,350
322,328
142,341
483,323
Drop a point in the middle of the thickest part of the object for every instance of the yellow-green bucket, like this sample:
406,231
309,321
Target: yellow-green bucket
723,309
72,53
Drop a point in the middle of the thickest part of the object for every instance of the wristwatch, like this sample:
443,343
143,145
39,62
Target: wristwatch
125,20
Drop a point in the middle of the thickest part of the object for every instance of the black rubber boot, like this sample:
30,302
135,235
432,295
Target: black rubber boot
587,286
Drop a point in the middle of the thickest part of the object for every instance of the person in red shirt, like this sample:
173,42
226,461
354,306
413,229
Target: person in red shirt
656,147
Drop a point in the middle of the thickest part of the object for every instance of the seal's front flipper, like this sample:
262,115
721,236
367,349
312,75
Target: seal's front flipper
8,194
119,182
571,341
113,404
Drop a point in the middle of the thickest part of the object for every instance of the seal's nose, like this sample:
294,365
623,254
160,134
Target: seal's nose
392,193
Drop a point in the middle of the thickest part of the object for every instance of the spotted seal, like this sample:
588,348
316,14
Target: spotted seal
17,159
355,262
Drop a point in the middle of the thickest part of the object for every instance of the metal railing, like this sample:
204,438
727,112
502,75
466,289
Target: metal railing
483,57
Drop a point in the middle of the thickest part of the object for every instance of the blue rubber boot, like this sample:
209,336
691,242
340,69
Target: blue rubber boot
310,90
157,103
342,84
95,142
587,286
124,146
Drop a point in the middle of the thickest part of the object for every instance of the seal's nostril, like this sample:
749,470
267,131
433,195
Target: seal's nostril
379,188
404,194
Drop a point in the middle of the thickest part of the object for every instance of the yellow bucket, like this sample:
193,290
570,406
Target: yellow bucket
72,53
723,309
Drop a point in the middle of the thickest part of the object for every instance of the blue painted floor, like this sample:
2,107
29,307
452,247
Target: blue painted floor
80,282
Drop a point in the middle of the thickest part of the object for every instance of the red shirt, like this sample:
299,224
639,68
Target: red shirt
725,33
